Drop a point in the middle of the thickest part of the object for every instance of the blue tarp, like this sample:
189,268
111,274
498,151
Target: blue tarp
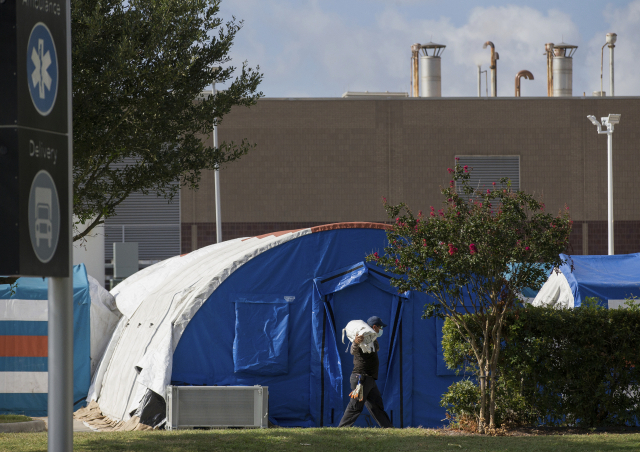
310,288
35,404
606,277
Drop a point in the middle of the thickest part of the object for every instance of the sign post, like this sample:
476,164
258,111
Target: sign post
35,178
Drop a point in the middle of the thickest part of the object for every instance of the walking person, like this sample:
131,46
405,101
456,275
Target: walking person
365,370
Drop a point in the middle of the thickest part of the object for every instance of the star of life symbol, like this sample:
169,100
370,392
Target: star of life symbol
40,77
42,69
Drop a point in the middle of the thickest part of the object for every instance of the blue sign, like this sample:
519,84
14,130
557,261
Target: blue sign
42,69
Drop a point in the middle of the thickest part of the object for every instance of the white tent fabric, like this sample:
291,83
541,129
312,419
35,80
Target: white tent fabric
158,304
104,317
555,292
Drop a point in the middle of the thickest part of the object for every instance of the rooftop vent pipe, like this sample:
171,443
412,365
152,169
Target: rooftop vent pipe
493,66
548,47
527,75
415,52
611,40
430,69
429,83
563,69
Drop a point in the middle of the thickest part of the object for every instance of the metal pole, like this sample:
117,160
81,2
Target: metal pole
611,46
479,81
60,387
494,83
415,70
610,186
601,65
216,176
60,306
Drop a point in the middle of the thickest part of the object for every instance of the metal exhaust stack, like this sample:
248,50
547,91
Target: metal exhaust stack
548,47
430,68
493,67
611,40
563,69
527,75
415,89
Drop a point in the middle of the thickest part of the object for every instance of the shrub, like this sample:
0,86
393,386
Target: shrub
576,367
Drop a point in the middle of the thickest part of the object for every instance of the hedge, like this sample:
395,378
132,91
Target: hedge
573,367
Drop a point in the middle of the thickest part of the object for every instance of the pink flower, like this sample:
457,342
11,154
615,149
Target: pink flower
526,248
415,228
452,249
424,242
494,183
472,248
375,256
384,200
432,214
432,209
488,191
451,184
450,170
449,200
419,215
398,220
457,159
466,167
397,262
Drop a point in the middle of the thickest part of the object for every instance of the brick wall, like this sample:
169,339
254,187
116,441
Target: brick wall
319,159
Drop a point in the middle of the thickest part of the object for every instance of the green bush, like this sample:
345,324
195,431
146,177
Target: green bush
577,367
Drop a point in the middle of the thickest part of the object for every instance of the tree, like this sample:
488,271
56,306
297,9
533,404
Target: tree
138,68
475,255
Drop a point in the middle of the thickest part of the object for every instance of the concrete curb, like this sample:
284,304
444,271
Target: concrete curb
23,427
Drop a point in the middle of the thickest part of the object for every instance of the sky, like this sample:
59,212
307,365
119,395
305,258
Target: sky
322,48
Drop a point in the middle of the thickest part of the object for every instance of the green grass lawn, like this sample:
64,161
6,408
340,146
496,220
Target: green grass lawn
6,418
323,440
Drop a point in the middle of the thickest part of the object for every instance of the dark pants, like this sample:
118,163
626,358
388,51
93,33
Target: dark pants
372,399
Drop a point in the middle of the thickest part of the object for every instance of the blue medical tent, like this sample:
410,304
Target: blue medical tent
270,311
610,279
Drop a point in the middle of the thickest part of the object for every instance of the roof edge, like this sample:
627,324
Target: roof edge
351,225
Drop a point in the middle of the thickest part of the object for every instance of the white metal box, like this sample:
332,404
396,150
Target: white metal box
217,406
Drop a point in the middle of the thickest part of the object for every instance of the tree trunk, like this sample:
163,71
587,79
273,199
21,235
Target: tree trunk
483,365
497,333
483,399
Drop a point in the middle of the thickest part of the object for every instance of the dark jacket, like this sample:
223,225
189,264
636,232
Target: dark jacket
366,363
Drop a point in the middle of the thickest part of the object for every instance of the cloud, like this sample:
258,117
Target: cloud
309,48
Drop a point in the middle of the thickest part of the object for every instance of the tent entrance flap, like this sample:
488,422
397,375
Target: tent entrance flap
356,292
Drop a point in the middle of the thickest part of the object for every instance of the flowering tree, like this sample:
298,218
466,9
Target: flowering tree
475,255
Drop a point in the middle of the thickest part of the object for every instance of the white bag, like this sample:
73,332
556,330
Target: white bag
360,328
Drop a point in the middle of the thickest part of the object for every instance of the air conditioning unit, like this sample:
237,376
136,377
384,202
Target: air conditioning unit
217,406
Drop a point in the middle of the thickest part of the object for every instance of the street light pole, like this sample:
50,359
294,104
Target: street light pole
610,121
216,176
216,172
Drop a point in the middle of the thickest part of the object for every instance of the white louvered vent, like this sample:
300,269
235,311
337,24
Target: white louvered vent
488,169
217,406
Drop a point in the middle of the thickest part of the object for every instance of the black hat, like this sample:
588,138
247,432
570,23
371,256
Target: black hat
375,320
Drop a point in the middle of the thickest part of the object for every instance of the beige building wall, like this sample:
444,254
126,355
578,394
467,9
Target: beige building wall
328,160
